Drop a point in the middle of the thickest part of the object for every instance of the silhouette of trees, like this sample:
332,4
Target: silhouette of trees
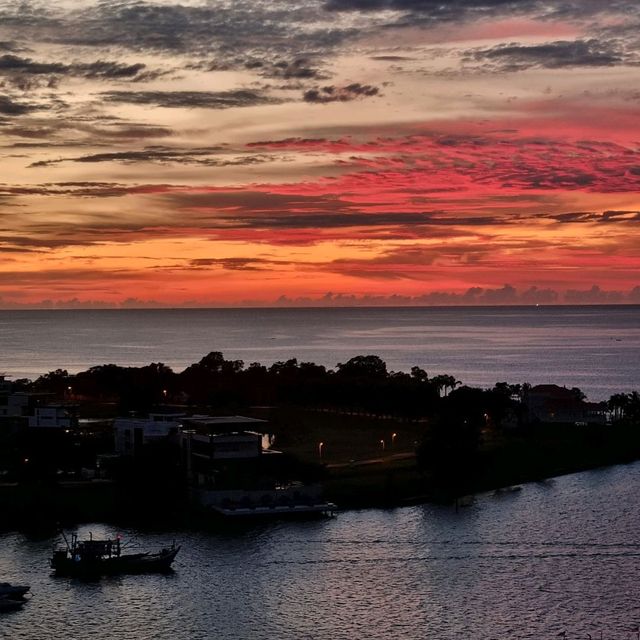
625,407
53,382
444,383
370,367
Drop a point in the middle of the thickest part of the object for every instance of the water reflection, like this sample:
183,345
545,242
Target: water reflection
563,555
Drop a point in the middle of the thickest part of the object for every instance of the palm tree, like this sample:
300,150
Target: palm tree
618,403
444,383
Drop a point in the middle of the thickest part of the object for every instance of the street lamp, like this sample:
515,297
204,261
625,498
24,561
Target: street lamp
382,444
320,445
393,439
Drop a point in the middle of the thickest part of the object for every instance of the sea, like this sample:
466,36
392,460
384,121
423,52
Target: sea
556,559
595,348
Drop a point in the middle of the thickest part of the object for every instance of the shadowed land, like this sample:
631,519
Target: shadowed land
370,437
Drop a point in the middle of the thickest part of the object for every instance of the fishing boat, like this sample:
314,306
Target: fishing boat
106,557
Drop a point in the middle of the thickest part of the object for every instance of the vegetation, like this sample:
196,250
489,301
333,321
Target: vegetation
374,436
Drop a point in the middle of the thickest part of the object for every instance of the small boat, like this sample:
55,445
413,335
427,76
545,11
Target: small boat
13,591
104,557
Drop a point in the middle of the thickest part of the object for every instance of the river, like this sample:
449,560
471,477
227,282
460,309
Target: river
558,556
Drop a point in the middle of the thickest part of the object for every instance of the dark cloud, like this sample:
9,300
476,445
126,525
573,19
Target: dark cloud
472,296
79,189
259,210
331,93
71,132
552,55
457,10
595,295
100,69
595,217
273,67
228,31
14,63
9,107
299,69
163,155
235,264
191,99
391,58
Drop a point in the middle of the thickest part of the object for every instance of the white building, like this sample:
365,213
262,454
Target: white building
132,434
52,417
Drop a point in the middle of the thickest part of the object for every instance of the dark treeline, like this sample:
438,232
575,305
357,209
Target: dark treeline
362,384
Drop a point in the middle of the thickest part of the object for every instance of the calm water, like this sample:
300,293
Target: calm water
557,556
594,348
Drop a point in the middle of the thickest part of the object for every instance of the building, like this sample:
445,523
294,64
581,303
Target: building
550,403
212,445
53,416
133,435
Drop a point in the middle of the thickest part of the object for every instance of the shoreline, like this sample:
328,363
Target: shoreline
97,501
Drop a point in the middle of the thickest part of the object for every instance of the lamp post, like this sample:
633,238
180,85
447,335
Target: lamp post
320,445
393,439
382,444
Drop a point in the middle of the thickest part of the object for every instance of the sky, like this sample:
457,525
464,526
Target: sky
303,152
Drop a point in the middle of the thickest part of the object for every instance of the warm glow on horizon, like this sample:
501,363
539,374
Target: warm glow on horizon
387,150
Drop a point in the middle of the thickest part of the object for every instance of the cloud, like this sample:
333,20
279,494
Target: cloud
83,189
595,295
434,11
164,155
473,296
13,65
227,31
236,264
604,217
332,93
9,107
552,55
295,69
191,99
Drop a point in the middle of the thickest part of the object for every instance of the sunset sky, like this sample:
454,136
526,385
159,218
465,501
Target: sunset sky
247,152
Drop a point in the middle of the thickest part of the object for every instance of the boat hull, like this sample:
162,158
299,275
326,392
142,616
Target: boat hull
124,564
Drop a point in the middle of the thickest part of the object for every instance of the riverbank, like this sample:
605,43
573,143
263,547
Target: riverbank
539,454
391,479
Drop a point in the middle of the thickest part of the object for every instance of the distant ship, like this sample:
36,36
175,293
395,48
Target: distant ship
105,557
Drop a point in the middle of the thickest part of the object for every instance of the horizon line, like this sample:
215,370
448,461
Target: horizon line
318,306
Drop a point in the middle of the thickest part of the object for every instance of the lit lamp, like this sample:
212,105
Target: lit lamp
382,444
393,439
320,445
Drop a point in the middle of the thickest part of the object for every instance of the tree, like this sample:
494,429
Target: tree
445,382
364,367
617,404
419,374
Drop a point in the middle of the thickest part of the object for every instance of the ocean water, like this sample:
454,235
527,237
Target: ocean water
557,557
594,348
